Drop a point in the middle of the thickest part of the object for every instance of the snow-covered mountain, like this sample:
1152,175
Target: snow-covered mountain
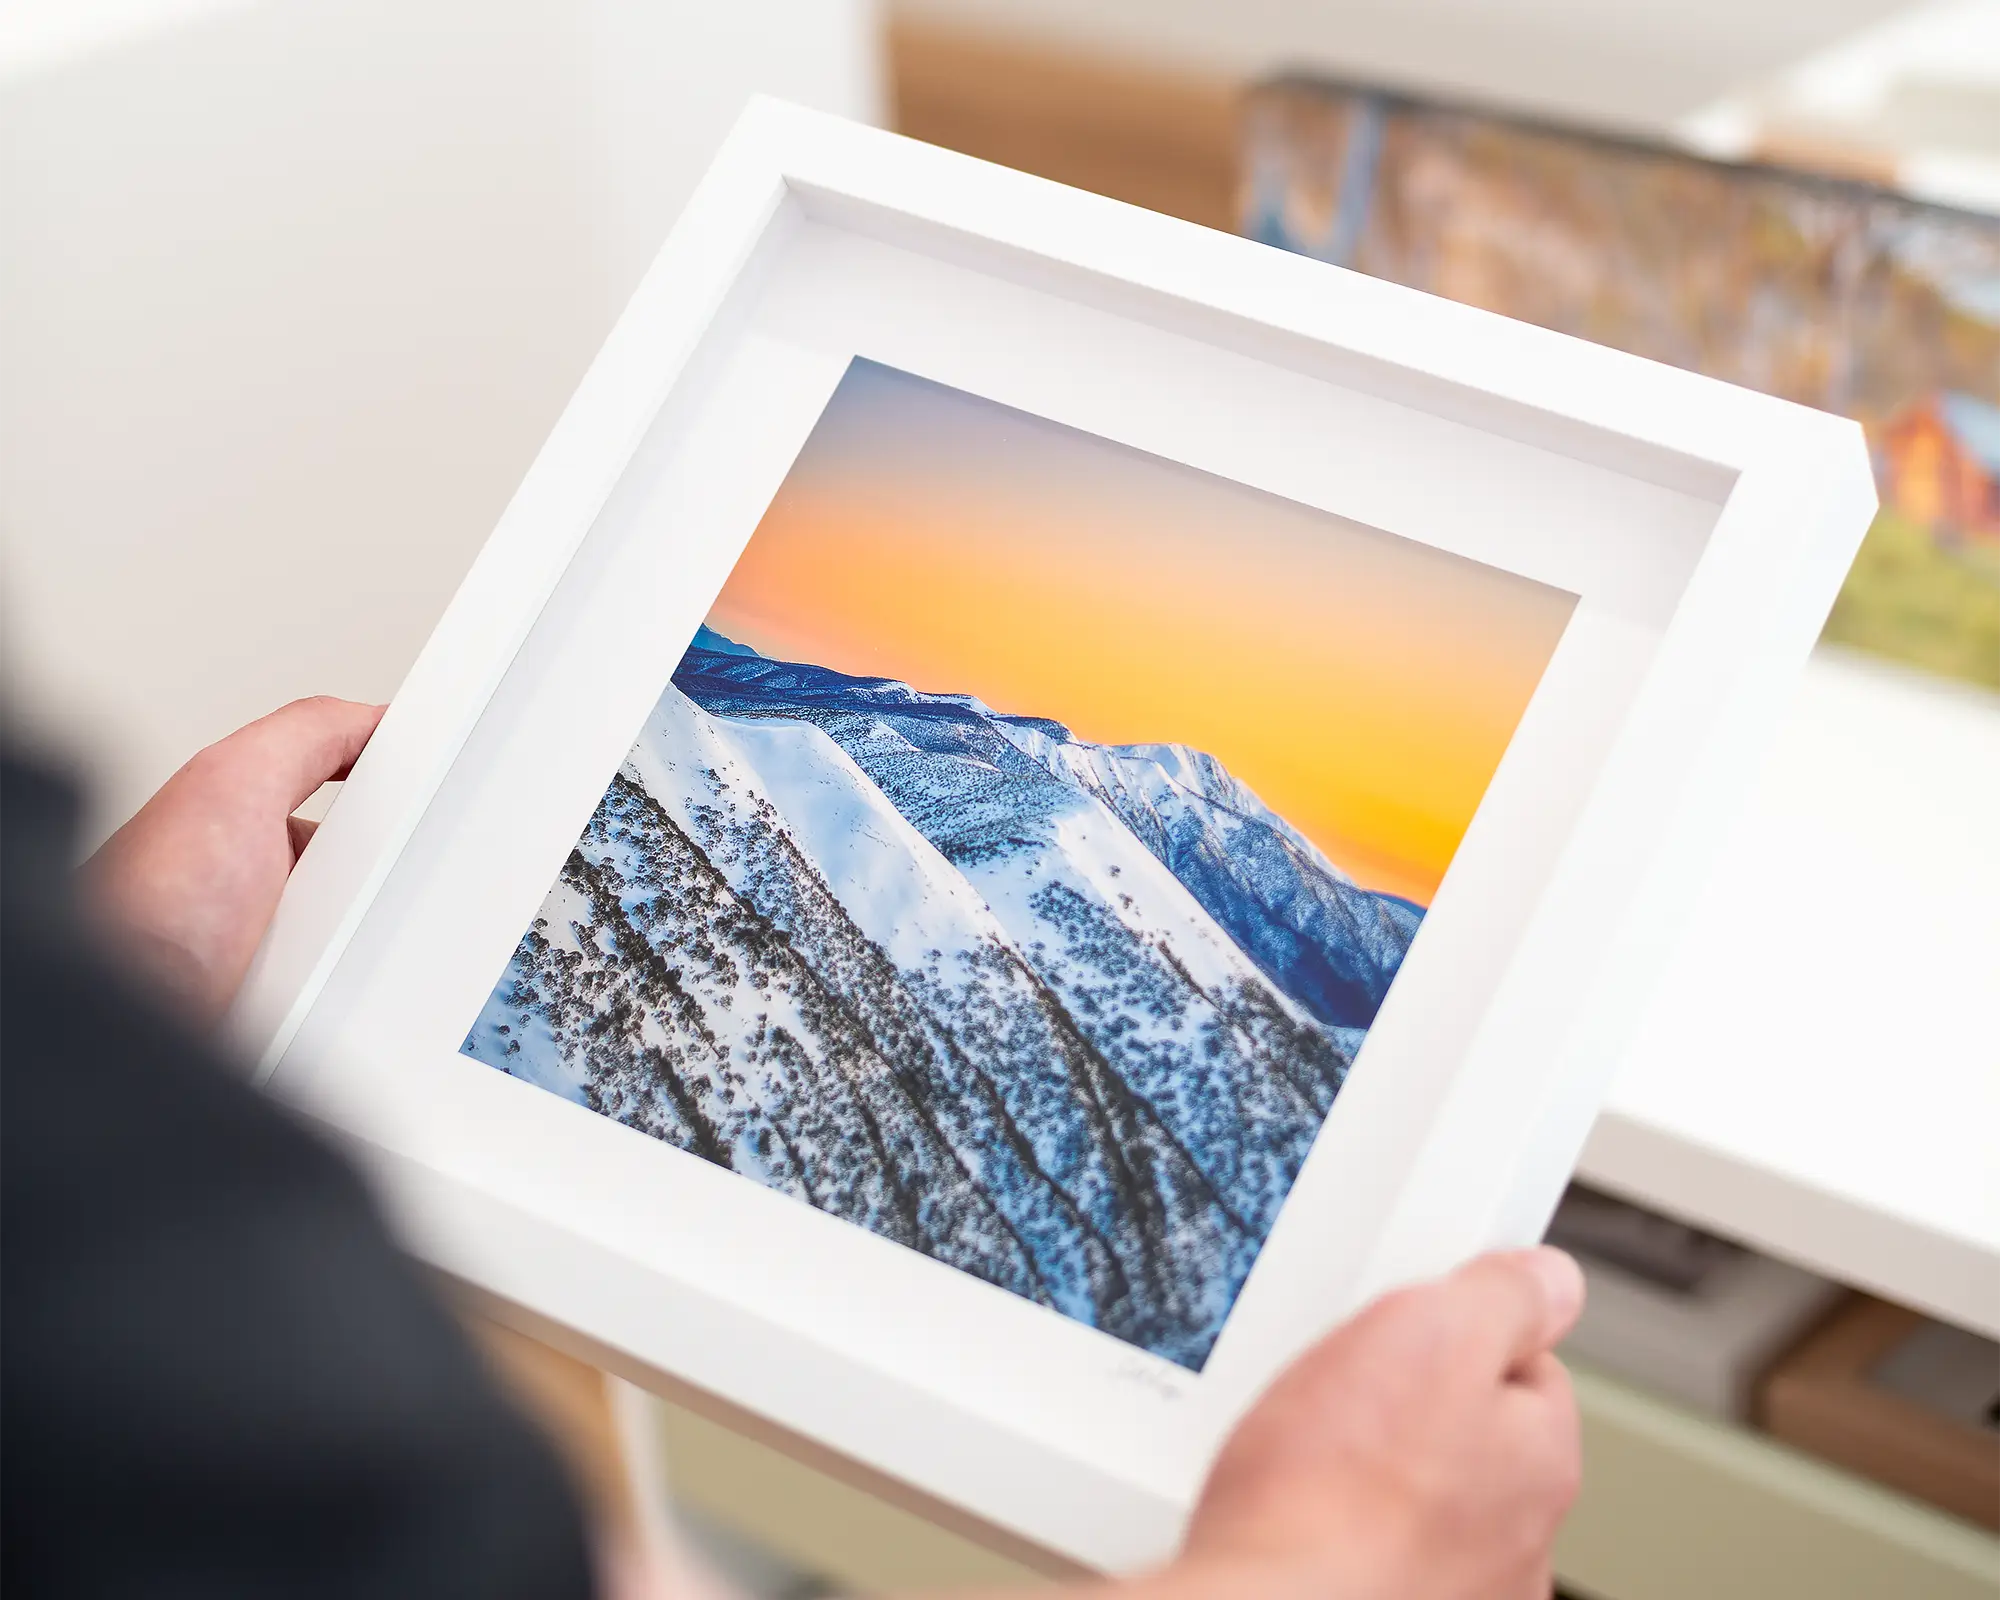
1066,1016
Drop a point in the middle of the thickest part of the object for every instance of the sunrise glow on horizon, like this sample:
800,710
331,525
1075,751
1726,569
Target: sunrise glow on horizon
1363,685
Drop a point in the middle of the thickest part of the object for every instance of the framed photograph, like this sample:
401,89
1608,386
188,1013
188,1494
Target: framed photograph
1029,804
1888,1393
1832,292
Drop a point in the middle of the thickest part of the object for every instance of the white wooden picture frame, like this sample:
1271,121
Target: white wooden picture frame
1702,530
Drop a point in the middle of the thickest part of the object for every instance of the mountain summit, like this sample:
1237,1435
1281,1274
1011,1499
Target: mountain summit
1064,1015
1330,946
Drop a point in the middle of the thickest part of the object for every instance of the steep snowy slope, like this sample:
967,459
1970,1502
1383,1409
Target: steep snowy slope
923,967
1331,946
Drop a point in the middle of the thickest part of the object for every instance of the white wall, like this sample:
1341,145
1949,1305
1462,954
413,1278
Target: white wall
291,291
36,34
1637,64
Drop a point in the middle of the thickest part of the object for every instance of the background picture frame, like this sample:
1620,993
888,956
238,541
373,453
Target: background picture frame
1828,290
1889,1393
1702,530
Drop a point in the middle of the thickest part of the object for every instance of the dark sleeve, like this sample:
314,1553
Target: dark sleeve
217,1375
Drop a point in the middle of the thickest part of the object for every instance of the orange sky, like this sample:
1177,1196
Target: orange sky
1363,685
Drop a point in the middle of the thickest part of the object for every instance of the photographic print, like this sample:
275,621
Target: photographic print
1023,848
1834,294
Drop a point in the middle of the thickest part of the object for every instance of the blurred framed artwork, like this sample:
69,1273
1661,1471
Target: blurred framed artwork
1834,293
1029,804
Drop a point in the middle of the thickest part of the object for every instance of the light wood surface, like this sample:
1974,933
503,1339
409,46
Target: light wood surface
1156,136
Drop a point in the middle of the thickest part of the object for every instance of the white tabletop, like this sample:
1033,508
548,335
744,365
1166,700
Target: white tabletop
1819,1076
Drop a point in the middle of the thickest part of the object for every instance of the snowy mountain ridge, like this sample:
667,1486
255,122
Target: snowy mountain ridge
1327,944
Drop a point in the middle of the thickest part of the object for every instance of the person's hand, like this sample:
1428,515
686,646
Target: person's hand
189,885
1427,1450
